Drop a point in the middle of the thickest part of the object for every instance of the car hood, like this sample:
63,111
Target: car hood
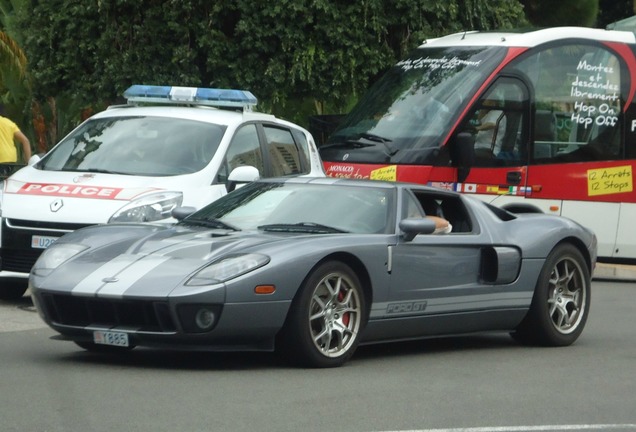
145,262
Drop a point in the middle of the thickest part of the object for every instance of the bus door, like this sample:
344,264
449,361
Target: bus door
577,165
499,124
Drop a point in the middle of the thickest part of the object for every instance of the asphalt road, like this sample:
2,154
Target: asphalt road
482,383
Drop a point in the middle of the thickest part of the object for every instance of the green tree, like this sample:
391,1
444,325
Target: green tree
298,56
550,13
614,10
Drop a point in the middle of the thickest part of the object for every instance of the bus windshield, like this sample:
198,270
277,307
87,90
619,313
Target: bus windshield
410,110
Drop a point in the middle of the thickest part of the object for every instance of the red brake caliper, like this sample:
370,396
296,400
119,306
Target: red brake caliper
346,317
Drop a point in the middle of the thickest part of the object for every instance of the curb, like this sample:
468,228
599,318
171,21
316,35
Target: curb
617,272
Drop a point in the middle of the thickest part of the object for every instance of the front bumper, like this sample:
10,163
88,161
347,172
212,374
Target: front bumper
157,323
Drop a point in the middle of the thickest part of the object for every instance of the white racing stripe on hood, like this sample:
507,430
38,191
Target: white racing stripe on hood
125,271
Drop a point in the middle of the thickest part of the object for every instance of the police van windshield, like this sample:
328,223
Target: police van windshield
409,111
146,146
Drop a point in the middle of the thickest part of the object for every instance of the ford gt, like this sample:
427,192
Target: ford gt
314,267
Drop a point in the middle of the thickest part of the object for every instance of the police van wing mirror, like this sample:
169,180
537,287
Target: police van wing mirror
241,175
33,160
462,152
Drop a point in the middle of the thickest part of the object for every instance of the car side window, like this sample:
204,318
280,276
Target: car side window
283,152
244,149
412,208
447,207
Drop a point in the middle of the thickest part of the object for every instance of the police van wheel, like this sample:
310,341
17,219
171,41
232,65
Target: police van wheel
12,290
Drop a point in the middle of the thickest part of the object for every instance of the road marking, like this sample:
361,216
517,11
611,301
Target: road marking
600,427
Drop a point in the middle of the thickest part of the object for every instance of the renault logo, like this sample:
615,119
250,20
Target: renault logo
56,205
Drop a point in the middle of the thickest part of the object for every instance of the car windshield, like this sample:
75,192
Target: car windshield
147,146
406,115
309,208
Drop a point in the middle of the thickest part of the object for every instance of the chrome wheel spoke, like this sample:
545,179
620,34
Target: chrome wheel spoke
334,316
566,296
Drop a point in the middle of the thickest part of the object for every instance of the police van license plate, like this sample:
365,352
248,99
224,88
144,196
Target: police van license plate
42,242
110,338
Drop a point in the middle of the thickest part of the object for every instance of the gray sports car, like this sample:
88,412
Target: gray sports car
315,267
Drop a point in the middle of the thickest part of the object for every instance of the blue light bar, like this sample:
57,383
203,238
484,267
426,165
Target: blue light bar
191,96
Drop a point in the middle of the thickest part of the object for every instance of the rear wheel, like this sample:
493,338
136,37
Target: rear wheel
326,318
561,301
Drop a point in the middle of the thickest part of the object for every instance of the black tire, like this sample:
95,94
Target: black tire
325,319
561,301
12,289
98,348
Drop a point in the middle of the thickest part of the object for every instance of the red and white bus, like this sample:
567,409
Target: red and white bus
563,140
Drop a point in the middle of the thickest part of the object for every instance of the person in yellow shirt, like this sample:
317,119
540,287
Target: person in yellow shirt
9,133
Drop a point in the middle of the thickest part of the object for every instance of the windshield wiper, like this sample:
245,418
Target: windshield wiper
376,138
94,170
209,223
306,227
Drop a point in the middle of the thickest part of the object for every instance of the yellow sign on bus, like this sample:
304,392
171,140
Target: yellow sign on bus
388,173
605,181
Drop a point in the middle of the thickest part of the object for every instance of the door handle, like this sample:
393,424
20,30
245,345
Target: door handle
513,177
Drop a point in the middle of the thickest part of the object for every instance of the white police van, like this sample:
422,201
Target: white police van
167,147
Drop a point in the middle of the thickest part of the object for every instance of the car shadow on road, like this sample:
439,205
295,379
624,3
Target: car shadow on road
438,345
237,361
23,302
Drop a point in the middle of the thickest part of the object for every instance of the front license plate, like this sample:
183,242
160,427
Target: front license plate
110,338
42,242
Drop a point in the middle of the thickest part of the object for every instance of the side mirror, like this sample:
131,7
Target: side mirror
33,160
414,226
180,213
242,174
462,153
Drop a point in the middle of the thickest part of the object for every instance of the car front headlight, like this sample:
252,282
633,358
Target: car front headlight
149,208
228,268
56,255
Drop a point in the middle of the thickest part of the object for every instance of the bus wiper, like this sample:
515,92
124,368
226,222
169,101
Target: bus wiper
307,227
365,140
209,223
376,138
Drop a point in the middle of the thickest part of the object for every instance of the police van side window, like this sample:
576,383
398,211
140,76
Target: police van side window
244,149
283,152
578,96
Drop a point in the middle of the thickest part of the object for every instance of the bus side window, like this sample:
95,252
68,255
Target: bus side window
577,95
497,123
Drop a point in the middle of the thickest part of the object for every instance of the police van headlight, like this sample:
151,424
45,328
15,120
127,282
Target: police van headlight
149,208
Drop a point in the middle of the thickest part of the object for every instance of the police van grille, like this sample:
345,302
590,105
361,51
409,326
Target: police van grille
17,253
144,315
18,260
44,225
